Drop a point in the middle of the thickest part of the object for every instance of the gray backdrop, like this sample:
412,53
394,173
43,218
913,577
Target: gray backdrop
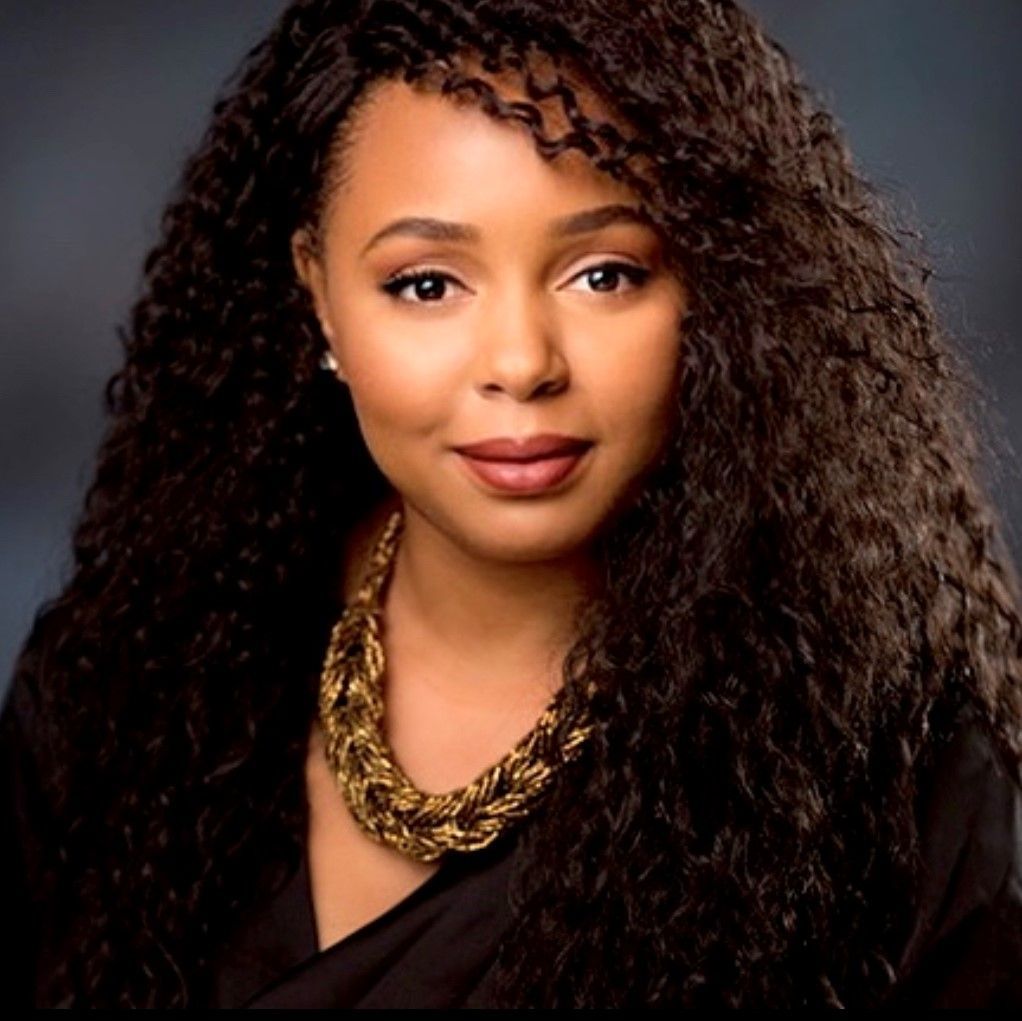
100,101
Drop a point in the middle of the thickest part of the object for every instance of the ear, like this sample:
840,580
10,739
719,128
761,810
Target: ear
309,270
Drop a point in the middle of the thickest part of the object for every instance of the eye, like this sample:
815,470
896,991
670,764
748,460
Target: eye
604,276
428,285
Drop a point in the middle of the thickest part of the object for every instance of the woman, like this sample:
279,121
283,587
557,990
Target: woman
542,389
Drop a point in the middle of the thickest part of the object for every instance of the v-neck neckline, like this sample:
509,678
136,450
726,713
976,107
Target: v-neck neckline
422,891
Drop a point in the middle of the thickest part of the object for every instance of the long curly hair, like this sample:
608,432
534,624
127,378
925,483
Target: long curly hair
810,587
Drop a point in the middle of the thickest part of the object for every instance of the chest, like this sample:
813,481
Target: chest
353,878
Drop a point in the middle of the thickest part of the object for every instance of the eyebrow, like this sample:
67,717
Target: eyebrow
583,222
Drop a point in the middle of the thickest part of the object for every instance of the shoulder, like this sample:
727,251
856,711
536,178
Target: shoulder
19,733
965,949
23,844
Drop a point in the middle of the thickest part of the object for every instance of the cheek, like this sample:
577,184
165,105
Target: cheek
400,392
638,391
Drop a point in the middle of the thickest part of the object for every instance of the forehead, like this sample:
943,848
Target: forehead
408,137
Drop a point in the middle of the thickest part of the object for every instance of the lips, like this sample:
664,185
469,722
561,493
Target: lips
527,465
528,448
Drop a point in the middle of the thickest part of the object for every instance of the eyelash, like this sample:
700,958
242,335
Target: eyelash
637,275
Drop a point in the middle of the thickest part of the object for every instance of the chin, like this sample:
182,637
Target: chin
533,535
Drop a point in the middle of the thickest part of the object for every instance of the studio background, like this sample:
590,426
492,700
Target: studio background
101,101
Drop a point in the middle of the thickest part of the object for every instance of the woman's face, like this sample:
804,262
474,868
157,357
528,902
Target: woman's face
534,314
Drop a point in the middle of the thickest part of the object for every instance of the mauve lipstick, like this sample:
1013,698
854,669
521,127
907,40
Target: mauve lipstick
530,464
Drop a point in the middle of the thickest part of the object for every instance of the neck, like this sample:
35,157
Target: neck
500,622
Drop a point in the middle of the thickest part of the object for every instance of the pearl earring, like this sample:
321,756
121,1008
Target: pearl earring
328,361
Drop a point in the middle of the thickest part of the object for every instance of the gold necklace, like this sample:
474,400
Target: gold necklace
381,797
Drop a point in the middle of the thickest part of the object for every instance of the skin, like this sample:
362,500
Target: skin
518,332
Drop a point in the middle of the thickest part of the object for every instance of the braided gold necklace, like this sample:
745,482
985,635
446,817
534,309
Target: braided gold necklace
380,796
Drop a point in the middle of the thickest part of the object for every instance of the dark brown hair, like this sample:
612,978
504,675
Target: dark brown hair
804,595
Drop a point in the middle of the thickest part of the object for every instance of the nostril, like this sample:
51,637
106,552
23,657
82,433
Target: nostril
551,386
544,388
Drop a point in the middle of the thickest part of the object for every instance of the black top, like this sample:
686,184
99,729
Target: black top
437,946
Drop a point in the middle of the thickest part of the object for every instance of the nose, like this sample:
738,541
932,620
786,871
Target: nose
519,351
